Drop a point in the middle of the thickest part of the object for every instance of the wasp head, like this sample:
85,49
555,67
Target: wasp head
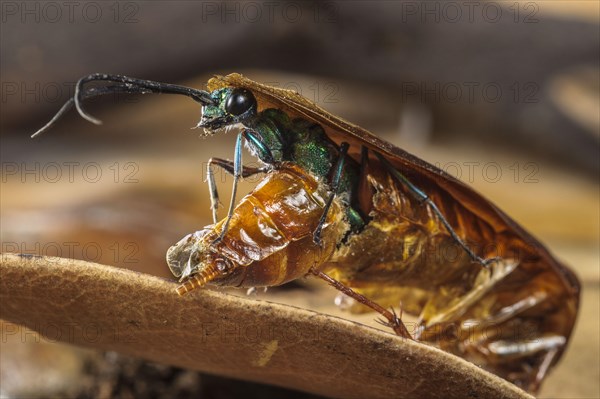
230,106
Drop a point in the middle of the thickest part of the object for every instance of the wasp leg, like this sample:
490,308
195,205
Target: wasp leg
424,198
228,167
393,321
335,183
237,172
265,155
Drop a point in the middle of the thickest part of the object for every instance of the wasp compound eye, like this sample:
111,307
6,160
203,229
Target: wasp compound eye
240,101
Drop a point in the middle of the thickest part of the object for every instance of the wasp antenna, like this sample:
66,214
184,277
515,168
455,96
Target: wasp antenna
77,97
121,84
89,93
67,106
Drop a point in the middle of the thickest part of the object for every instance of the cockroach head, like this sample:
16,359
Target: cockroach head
192,258
230,106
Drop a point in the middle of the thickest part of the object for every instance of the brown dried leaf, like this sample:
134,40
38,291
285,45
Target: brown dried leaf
113,309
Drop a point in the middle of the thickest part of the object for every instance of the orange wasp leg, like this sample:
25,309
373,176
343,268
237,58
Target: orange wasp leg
393,321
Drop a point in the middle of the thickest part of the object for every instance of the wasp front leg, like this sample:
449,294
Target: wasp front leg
228,167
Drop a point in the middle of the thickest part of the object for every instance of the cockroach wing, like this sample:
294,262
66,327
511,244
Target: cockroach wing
452,196
489,230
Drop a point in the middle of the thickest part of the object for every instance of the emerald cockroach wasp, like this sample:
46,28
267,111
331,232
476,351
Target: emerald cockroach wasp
374,222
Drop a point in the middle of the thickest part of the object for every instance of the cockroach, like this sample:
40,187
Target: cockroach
377,223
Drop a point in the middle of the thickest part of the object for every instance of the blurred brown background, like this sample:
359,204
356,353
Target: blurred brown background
504,95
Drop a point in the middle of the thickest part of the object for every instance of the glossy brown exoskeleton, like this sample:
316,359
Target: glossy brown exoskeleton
379,224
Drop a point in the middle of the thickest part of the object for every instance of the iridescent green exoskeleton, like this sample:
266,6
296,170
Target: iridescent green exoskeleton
377,223
273,137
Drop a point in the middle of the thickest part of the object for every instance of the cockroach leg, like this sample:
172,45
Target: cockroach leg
543,369
551,345
214,193
393,321
229,167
